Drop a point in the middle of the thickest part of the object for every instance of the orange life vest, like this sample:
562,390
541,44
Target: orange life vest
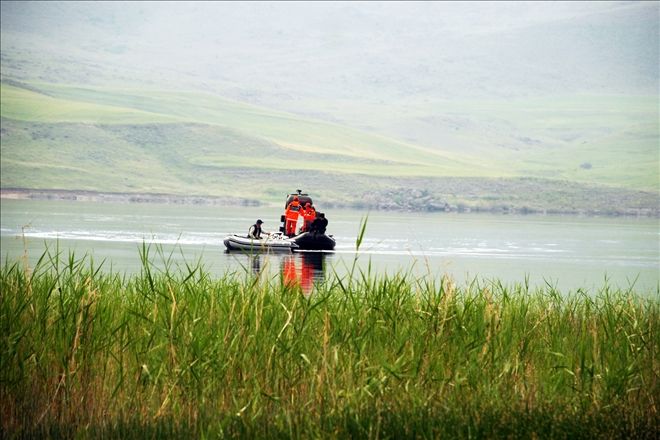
293,210
309,214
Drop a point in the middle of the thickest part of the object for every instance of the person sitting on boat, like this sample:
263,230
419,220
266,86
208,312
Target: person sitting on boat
309,214
256,231
292,212
319,224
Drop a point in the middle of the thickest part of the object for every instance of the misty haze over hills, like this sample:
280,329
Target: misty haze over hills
350,50
521,87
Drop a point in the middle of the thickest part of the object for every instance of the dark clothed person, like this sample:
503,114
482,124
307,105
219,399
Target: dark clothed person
319,224
255,230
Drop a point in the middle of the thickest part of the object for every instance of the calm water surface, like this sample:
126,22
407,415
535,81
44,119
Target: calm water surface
566,252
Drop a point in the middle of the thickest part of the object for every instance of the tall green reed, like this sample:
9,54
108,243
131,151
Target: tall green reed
175,351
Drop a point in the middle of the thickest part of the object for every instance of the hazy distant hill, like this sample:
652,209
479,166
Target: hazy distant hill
345,50
256,99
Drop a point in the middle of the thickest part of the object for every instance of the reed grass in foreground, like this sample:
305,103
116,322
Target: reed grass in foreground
176,353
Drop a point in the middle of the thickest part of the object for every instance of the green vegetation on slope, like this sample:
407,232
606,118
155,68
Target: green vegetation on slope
542,137
121,140
285,130
173,352
404,94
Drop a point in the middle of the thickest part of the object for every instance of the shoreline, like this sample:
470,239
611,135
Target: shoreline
176,199
122,197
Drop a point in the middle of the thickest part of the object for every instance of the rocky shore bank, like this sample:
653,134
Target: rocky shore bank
401,199
93,196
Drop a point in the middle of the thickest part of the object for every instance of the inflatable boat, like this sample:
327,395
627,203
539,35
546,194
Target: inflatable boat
305,241
273,242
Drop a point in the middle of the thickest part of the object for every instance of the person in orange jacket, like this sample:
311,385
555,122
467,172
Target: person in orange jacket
291,215
309,214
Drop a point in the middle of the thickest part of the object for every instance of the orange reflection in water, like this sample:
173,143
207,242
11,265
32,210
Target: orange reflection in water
303,270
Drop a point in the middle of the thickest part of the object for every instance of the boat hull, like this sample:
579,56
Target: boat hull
313,241
241,243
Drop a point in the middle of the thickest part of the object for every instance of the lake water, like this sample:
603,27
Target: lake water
566,252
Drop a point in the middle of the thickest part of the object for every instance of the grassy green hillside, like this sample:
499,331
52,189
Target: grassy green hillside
122,140
543,105
548,137
71,137
61,104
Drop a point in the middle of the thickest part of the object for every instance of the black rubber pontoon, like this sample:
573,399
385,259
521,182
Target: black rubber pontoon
314,241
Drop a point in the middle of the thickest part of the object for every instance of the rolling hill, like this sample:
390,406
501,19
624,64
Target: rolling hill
539,107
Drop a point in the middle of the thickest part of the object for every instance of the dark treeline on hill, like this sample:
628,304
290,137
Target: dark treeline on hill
519,196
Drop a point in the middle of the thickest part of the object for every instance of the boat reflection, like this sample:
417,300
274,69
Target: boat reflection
303,269
254,261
